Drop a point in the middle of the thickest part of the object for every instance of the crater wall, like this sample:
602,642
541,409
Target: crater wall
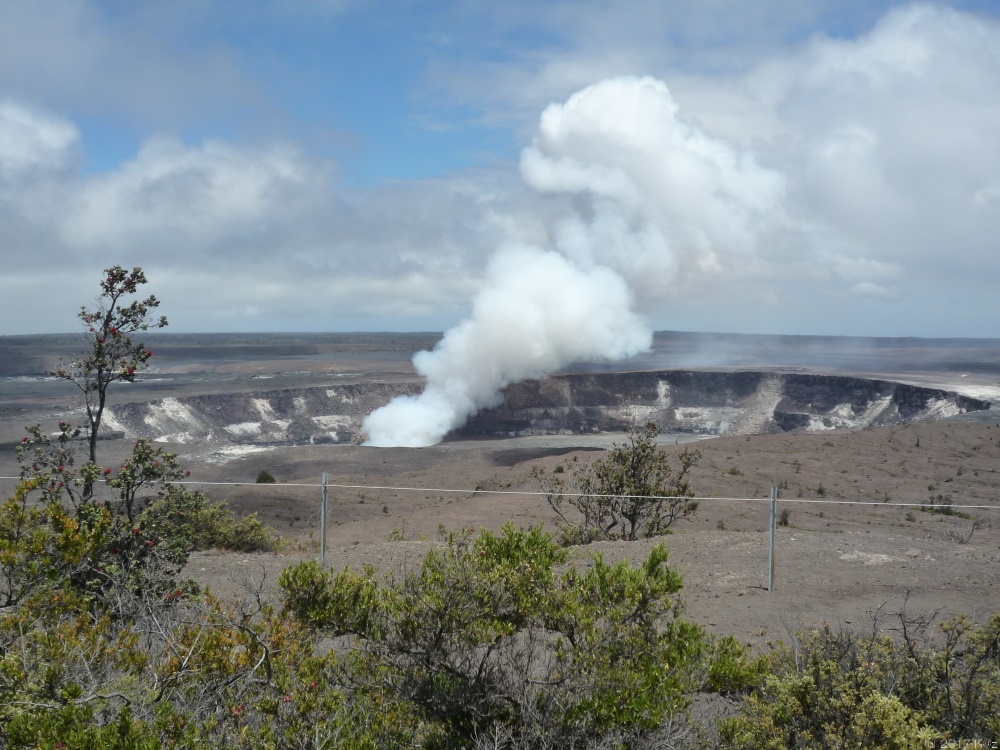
713,403
699,402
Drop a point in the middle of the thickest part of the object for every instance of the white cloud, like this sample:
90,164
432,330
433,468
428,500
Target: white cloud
888,146
575,43
877,291
33,142
767,181
172,196
244,237
850,268
142,62
890,138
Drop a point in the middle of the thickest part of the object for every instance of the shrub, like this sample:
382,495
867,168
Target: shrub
100,644
265,477
487,639
837,689
180,672
634,492
86,525
91,527
190,521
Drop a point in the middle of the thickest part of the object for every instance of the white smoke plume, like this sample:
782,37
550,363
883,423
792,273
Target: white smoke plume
658,199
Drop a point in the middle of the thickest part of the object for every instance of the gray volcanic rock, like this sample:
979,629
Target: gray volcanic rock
706,403
712,403
326,414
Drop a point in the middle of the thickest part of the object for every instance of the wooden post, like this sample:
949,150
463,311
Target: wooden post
774,516
322,522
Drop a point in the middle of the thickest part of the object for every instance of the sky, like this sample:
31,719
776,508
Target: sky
826,167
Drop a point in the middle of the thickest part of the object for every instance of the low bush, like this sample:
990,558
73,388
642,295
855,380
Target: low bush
634,492
486,639
838,689
192,521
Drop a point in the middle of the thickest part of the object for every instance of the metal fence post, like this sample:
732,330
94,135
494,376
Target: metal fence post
322,522
774,515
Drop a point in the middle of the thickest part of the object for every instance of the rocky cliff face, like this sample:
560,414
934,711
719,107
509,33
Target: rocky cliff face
709,403
327,414
713,403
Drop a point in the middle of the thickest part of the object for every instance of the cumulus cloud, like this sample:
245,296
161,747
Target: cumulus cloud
876,291
38,153
143,62
767,176
193,194
31,141
575,43
888,140
886,145
245,237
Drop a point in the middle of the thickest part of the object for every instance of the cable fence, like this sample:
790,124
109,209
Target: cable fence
567,491
323,488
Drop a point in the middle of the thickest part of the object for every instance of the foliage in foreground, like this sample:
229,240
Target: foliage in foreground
486,639
633,492
485,645
106,530
839,690
101,531
493,642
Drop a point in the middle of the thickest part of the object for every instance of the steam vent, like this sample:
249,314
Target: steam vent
705,403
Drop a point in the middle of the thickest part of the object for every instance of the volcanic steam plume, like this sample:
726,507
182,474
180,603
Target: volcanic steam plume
658,200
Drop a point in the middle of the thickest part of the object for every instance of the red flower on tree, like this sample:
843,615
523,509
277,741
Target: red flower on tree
113,355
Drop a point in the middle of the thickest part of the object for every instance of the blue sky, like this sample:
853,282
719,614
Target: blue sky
339,165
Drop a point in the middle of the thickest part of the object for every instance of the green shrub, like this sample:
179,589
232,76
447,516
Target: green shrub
75,726
189,520
836,689
84,527
633,492
265,477
487,639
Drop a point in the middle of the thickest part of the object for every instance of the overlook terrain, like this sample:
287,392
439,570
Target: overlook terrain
887,422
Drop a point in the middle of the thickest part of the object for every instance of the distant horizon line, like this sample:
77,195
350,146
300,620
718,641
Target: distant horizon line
656,333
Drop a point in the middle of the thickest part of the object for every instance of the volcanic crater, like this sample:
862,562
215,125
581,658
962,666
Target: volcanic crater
680,401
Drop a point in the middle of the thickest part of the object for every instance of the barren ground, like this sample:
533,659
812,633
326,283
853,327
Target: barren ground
836,563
